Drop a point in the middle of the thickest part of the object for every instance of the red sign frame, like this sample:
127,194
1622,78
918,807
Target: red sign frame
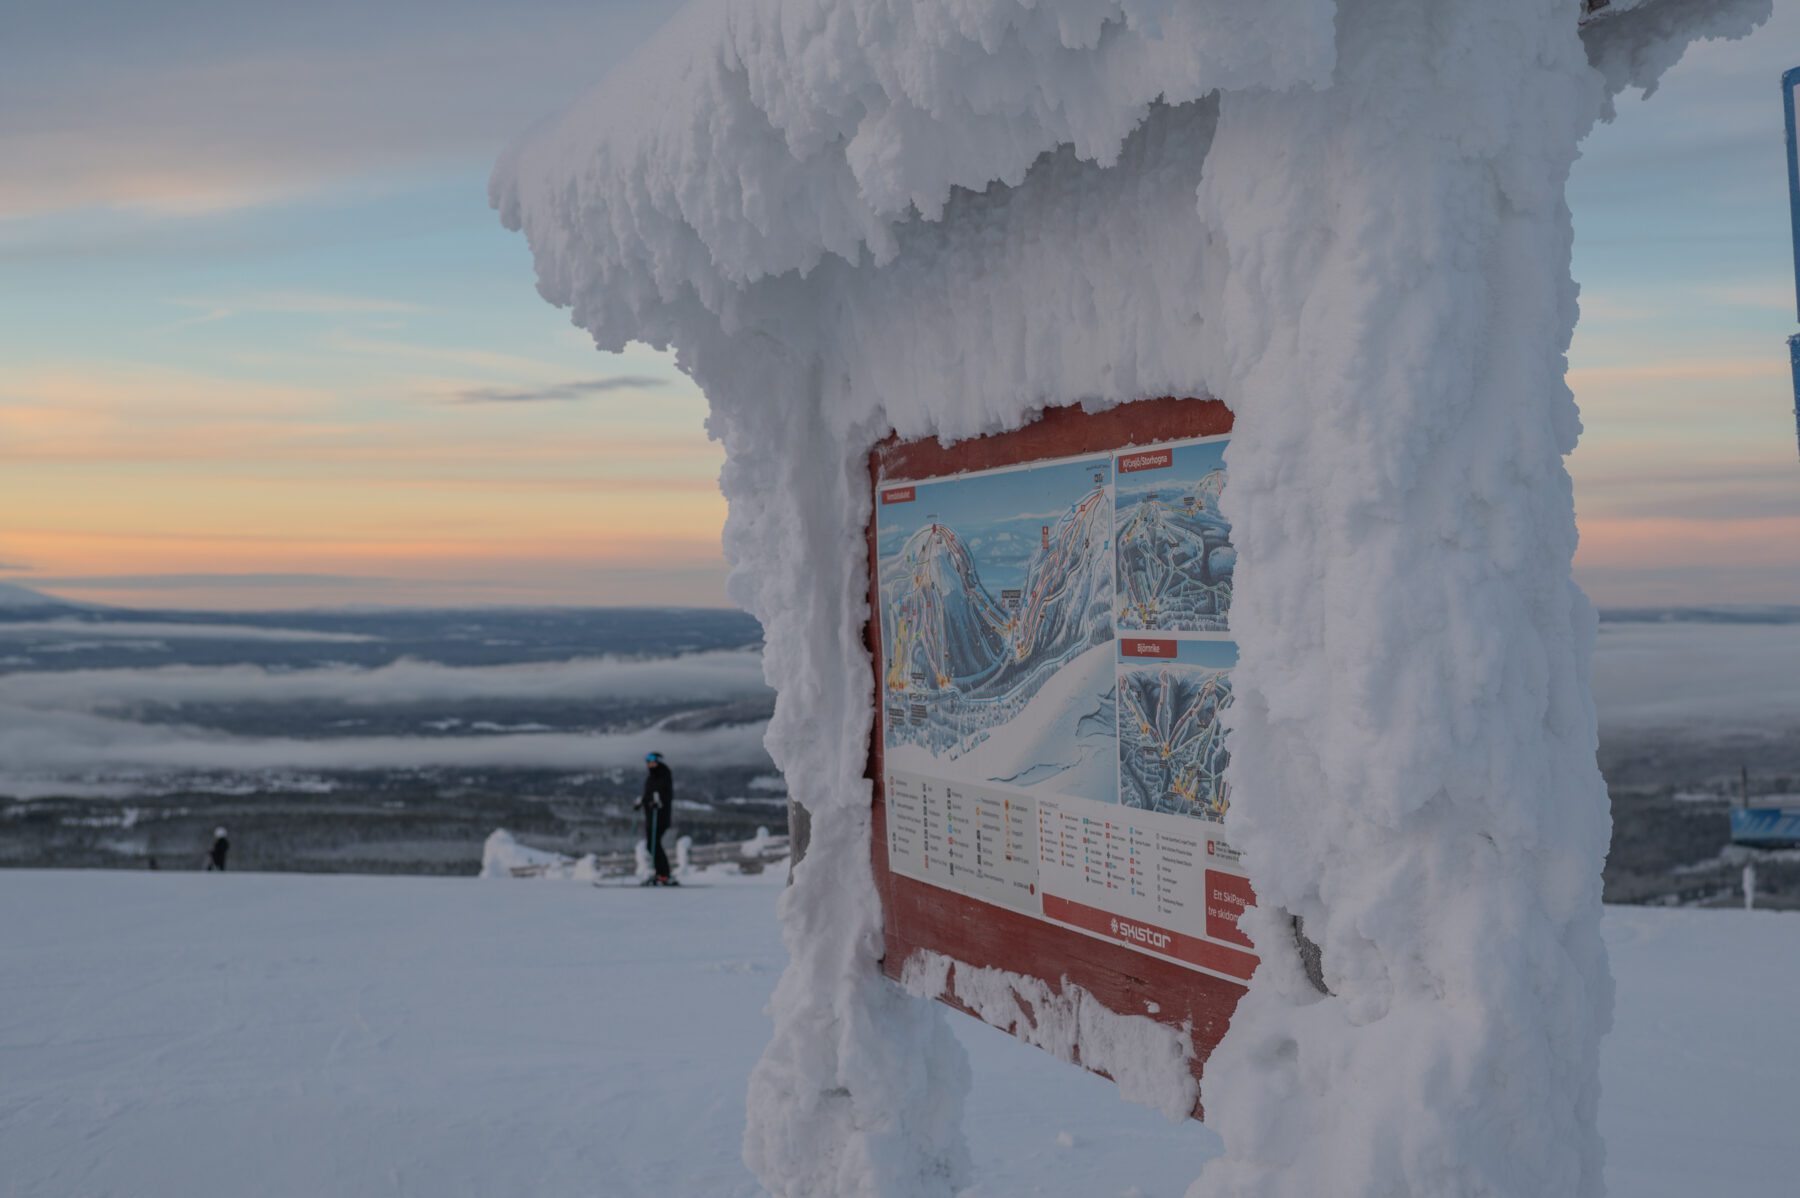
922,917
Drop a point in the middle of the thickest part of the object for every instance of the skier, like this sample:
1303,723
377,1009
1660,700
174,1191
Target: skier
658,804
215,857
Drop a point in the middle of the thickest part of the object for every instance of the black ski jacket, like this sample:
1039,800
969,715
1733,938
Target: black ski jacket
659,791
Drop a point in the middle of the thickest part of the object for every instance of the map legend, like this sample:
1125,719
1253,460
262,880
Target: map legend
980,841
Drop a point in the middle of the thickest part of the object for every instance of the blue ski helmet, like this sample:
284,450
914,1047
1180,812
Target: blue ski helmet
652,758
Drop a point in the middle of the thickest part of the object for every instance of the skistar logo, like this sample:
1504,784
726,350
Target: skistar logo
1126,930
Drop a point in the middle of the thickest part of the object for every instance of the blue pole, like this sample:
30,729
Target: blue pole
1790,83
1794,362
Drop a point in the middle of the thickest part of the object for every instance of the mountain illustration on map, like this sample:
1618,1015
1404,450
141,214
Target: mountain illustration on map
1175,557
1172,753
996,598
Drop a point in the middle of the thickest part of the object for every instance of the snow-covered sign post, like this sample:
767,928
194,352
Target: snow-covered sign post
942,219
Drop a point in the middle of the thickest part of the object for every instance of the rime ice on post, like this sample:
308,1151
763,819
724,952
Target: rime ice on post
1345,221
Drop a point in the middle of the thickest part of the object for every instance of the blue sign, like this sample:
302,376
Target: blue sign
1766,827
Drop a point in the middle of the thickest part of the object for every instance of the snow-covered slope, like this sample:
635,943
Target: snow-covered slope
193,1036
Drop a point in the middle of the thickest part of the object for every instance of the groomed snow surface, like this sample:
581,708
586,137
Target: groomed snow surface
194,1035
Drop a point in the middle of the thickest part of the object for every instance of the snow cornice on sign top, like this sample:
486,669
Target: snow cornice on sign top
751,138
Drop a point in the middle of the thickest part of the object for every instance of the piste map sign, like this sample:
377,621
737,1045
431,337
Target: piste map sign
1051,623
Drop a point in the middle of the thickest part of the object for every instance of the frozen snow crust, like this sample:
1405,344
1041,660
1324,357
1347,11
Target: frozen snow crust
1148,1061
1347,221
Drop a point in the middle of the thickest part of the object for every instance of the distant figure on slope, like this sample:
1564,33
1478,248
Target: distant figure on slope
215,856
658,803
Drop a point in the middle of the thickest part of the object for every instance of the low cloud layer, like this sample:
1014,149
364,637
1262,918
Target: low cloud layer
1692,678
71,732
1688,679
704,678
55,744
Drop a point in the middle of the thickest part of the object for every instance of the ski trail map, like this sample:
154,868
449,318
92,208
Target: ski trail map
1172,753
1055,660
992,587
1174,548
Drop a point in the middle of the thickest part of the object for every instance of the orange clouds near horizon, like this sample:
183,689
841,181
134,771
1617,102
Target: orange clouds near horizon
137,488
454,474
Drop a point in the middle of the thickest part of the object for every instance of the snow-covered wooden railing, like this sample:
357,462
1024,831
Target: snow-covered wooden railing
505,856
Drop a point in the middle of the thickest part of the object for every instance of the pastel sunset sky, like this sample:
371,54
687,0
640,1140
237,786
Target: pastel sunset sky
263,344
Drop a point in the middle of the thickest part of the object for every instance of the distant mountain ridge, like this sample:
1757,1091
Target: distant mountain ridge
16,598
